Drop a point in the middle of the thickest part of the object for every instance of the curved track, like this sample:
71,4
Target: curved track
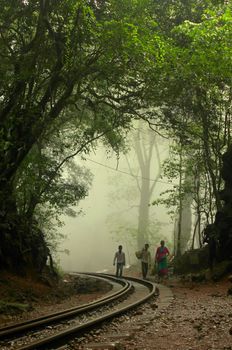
53,330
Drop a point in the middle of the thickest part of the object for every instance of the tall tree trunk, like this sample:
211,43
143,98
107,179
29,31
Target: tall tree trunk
143,221
22,245
223,219
144,152
209,161
186,225
179,232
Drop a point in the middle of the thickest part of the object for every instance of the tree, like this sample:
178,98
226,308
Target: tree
112,60
179,199
145,144
142,160
210,88
57,55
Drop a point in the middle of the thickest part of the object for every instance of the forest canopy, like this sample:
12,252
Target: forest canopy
73,72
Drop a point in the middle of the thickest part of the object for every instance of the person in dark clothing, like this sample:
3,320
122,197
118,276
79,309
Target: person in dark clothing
145,260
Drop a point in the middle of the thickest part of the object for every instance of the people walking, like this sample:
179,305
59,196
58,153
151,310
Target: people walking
145,260
161,258
120,260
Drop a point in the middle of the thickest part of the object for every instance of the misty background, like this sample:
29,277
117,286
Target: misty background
110,212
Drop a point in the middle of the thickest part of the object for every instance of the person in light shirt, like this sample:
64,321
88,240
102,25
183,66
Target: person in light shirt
120,260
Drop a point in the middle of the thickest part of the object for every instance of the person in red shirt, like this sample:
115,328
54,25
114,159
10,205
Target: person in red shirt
161,258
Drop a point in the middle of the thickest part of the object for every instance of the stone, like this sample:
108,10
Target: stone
104,346
121,335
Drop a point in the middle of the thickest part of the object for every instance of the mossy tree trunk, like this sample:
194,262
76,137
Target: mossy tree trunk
223,219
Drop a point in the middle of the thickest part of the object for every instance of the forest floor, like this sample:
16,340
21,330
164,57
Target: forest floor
23,298
198,318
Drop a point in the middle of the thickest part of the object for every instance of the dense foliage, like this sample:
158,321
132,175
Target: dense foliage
200,90
68,77
75,71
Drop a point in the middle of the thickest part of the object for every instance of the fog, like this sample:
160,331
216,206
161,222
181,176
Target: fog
90,241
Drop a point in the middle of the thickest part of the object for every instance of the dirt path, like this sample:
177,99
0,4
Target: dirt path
199,318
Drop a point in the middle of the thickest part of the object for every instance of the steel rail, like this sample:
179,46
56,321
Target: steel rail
50,341
24,326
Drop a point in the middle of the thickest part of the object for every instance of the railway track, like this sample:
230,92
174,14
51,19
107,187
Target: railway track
54,330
